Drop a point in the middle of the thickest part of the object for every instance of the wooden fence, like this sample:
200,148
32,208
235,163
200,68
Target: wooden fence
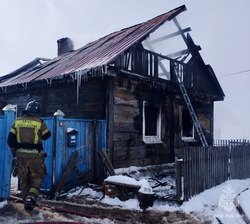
200,168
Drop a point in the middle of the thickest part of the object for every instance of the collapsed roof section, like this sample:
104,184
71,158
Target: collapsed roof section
161,35
95,54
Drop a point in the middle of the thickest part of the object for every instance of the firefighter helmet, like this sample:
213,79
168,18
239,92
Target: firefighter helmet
33,107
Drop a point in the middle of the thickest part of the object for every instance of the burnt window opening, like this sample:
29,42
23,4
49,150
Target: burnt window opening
151,116
187,125
151,123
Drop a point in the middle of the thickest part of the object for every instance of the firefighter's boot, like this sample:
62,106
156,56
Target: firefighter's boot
29,203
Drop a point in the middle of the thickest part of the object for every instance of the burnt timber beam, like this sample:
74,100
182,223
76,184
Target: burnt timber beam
167,74
194,50
163,56
184,37
178,53
165,37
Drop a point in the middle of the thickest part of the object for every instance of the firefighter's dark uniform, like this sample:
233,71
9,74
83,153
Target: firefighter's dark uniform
25,140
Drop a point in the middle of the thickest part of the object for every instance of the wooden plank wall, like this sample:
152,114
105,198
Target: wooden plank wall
64,97
129,148
91,103
20,99
204,113
197,79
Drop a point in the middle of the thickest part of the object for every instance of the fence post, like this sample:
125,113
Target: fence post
6,166
178,179
57,149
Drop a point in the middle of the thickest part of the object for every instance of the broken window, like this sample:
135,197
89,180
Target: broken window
187,126
151,123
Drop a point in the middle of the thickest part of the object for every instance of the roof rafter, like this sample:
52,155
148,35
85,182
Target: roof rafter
178,53
165,37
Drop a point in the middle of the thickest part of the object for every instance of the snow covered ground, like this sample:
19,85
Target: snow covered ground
213,204
217,202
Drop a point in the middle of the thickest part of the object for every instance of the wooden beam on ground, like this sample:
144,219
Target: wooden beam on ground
107,162
71,165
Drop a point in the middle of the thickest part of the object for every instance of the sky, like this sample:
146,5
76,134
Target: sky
30,29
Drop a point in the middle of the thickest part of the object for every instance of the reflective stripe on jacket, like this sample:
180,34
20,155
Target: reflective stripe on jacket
29,130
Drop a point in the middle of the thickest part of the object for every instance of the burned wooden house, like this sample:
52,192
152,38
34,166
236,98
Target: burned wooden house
130,78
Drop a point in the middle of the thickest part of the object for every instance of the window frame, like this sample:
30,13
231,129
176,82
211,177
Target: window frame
187,138
152,139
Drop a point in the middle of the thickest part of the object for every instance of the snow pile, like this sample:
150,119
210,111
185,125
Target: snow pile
3,203
217,202
132,204
244,199
123,180
145,187
143,183
85,191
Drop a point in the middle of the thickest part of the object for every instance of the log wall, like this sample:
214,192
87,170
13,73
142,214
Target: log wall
91,99
128,147
120,102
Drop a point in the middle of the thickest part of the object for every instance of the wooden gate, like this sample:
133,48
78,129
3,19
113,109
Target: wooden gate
89,137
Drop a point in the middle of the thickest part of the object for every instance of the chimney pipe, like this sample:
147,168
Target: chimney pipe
64,45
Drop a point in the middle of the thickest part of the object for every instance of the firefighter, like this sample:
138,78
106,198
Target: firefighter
25,141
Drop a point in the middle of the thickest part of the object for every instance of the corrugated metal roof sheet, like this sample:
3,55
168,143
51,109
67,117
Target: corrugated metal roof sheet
95,54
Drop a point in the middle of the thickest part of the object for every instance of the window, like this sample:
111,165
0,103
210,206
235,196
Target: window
187,132
151,123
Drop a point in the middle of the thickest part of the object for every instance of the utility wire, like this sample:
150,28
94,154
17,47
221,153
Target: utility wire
236,73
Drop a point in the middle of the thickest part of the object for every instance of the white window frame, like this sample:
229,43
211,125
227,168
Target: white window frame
155,139
186,138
